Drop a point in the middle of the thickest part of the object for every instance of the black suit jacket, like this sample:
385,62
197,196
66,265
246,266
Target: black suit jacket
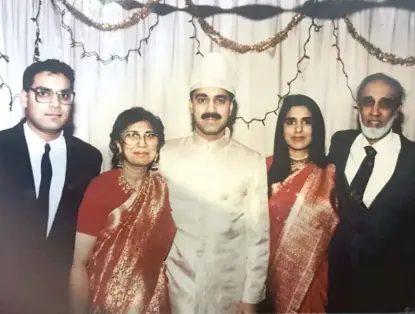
372,253
34,270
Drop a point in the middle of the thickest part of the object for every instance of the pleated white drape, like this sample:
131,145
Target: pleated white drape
158,78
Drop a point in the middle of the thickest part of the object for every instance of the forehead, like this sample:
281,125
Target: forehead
55,81
378,89
211,92
298,112
140,126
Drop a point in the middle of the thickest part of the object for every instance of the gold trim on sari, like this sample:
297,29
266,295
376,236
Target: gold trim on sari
302,244
127,271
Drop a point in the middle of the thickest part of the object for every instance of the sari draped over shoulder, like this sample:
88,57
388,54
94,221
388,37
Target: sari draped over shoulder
302,222
127,270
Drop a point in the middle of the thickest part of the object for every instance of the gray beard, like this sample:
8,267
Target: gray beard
376,133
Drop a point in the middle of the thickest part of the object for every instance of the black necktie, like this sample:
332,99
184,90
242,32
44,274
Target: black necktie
359,183
43,198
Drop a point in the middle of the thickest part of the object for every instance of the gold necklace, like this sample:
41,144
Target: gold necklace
125,186
298,164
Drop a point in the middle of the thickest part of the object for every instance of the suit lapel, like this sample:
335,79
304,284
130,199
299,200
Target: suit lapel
21,163
405,161
345,152
343,156
347,210
68,185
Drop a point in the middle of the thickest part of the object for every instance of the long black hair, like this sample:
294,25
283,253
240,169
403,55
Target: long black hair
280,168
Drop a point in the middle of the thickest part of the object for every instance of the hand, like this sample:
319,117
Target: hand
246,308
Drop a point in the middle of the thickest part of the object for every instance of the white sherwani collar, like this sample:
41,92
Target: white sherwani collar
212,145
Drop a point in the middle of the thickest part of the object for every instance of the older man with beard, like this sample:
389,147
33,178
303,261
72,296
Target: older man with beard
218,194
372,254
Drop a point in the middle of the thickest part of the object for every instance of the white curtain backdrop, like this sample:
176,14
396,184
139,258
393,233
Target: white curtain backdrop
157,80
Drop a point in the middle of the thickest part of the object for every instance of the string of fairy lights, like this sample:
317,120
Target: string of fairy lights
3,84
311,8
313,27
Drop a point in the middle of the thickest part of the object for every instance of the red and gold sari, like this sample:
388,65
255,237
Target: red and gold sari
302,221
127,271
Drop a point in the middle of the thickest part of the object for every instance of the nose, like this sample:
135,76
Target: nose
142,142
211,106
374,110
298,127
54,102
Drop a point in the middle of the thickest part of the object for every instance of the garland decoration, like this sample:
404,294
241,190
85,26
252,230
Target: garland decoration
377,52
134,19
95,54
243,48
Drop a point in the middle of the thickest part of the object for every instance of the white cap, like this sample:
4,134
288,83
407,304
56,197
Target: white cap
214,70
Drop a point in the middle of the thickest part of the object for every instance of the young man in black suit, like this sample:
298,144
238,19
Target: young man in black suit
43,175
372,254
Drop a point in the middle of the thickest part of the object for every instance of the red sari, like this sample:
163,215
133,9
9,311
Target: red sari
302,221
127,272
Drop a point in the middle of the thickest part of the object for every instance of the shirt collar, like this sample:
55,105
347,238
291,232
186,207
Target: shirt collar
36,143
212,145
387,144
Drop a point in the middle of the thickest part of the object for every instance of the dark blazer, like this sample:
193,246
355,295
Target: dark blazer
372,253
34,270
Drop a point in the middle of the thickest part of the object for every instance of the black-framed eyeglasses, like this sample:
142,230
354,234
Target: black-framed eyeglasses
45,95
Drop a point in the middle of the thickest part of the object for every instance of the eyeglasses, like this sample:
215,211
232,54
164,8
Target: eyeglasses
383,103
132,138
45,95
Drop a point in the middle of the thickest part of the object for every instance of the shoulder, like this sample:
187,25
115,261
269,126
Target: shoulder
173,147
159,179
9,135
105,181
175,142
248,160
345,135
246,152
85,148
407,142
407,148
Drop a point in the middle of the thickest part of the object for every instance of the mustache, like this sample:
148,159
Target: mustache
213,115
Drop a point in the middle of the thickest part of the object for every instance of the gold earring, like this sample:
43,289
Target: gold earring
120,161
154,164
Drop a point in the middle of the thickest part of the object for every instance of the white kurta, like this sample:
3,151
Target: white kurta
218,194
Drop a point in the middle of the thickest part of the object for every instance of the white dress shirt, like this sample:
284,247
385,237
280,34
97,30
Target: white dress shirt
387,149
36,146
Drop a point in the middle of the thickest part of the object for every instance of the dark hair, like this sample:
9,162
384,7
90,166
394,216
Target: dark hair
280,168
50,65
232,117
399,91
124,120
399,95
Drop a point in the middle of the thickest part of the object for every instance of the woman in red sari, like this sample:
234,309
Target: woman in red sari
125,228
302,217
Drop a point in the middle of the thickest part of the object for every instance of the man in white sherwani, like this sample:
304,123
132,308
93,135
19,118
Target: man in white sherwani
218,193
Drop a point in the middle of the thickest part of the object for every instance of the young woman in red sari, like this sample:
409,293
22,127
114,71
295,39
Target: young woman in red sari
302,217
125,228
